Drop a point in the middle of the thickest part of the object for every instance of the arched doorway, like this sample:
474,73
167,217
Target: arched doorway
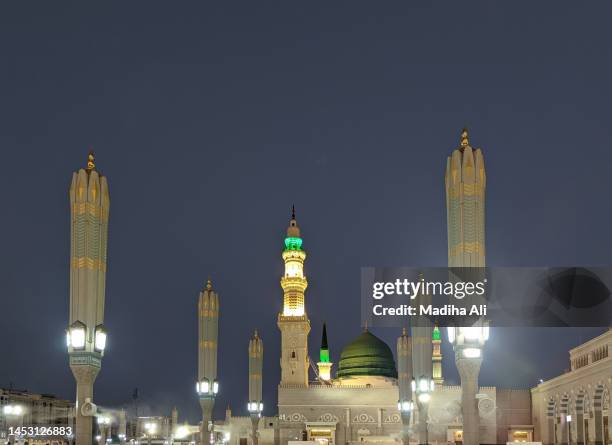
565,420
551,421
601,404
580,421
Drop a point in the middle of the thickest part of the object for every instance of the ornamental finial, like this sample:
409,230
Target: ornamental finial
404,332
209,283
293,212
91,160
464,138
255,334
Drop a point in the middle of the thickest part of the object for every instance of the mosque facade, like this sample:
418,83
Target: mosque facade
362,398
359,401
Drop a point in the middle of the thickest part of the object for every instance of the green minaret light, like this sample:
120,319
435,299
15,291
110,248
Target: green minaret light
324,353
324,364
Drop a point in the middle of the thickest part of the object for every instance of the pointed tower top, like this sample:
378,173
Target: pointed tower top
91,158
435,334
255,334
365,326
404,332
324,337
293,231
324,351
209,283
464,138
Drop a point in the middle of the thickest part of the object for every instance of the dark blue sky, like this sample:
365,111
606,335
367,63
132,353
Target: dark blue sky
210,120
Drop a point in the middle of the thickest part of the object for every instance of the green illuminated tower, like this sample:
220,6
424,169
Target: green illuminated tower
436,357
324,364
293,321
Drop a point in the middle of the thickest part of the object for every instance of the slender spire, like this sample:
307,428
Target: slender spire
324,338
91,158
464,138
209,283
255,334
404,332
293,231
324,351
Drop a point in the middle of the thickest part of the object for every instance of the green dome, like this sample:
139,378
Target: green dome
367,355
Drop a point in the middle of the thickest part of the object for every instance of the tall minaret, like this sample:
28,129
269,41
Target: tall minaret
436,357
207,385
293,321
465,208
465,205
324,364
404,383
86,336
255,405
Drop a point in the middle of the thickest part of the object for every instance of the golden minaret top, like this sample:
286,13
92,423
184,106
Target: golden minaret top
464,138
91,161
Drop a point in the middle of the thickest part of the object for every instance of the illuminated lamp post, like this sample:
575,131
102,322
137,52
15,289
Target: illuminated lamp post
468,343
404,378
255,405
207,385
423,387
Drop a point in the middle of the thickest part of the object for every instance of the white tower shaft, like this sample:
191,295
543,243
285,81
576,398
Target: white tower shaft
86,336
465,205
293,321
207,385
255,404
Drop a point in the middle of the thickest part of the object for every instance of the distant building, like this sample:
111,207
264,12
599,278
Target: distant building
22,408
575,406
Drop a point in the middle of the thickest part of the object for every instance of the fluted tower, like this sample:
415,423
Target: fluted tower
324,365
436,358
404,381
255,405
293,321
465,208
465,181
207,385
86,336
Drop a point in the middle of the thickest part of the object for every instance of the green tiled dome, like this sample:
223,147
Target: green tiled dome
367,355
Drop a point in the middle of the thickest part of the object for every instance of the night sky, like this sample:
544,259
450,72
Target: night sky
211,120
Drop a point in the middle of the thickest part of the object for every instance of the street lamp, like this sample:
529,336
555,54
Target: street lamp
100,339
75,336
468,343
13,410
204,388
423,387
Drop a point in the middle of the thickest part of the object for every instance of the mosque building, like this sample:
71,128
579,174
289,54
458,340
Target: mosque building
370,395
359,402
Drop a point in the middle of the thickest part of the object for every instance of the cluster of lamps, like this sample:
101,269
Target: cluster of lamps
77,333
204,387
12,410
103,420
423,387
255,407
470,339
150,427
